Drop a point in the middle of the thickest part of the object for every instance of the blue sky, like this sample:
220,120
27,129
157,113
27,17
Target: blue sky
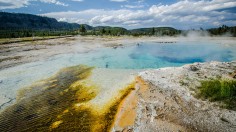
181,14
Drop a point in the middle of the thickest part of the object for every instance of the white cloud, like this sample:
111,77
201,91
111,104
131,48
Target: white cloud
183,14
118,0
78,0
13,4
136,5
140,1
54,2
133,6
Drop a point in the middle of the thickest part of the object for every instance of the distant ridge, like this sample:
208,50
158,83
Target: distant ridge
16,21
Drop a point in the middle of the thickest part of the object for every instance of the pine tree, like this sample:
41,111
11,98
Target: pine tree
82,29
103,31
153,31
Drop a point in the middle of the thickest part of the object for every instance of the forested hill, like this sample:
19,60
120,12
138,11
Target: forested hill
17,21
156,31
20,21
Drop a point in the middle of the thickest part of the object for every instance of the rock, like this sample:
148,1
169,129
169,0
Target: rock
224,119
128,129
193,68
233,75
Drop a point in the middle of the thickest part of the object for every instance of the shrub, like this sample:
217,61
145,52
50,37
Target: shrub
219,90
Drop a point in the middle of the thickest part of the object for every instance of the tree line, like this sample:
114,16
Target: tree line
113,31
223,30
34,33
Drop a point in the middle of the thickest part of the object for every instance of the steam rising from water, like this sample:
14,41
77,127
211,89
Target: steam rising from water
194,34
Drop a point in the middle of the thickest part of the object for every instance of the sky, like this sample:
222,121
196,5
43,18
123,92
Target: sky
180,14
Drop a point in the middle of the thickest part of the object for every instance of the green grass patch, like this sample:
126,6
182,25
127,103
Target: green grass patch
223,91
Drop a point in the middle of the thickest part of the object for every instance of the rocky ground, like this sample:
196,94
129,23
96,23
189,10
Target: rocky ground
165,101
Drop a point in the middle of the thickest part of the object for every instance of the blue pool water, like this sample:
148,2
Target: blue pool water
157,55
144,56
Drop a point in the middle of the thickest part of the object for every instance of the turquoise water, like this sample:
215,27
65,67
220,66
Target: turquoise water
143,56
156,55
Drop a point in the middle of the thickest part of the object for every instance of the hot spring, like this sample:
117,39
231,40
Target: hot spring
137,56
